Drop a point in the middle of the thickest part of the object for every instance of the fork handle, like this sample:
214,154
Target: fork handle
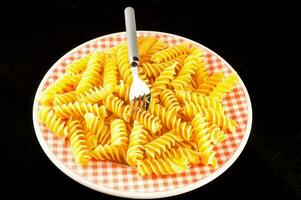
130,25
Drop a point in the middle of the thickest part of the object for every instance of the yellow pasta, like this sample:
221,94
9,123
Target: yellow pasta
78,110
96,126
194,157
224,86
154,69
161,166
220,119
169,100
66,83
123,90
68,97
90,77
78,143
124,65
150,122
78,66
146,46
170,53
171,121
163,80
137,140
190,97
109,152
185,121
162,144
119,136
117,106
56,124
209,83
202,135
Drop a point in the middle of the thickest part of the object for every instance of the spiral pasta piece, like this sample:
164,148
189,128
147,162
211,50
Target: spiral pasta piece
137,140
184,77
195,98
226,85
78,110
163,79
96,126
117,106
78,143
216,134
161,166
202,135
95,94
209,83
123,91
192,156
150,122
91,76
124,65
56,124
119,136
169,100
65,98
110,73
66,83
190,110
200,74
154,69
171,121
146,46
170,53
162,144
158,46
109,152
78,66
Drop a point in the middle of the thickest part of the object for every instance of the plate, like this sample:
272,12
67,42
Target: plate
119,180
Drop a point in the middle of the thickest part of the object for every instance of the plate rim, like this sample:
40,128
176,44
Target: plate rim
136,195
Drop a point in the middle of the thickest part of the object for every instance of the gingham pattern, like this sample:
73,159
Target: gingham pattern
125,178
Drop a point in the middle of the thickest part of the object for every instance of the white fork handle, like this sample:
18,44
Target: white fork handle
131,35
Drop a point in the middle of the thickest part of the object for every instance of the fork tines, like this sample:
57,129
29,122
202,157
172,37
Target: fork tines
141,102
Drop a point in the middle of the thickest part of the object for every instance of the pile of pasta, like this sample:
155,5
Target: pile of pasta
89,107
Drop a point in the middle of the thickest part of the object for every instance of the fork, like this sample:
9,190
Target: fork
139,92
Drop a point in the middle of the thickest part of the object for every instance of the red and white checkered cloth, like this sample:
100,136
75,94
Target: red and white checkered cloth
114,176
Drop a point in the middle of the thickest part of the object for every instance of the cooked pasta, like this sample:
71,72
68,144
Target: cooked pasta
119,135
78,143
199,99
226,85
219,118
78,66
49,118
109,152
137,140
171,121
170,53
169,100
97,127
202,136
209,83
64,84
162,144
161,166
68,97
184,124
78,110
91,76
150,122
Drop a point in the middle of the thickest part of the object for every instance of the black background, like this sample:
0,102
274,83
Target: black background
260,41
